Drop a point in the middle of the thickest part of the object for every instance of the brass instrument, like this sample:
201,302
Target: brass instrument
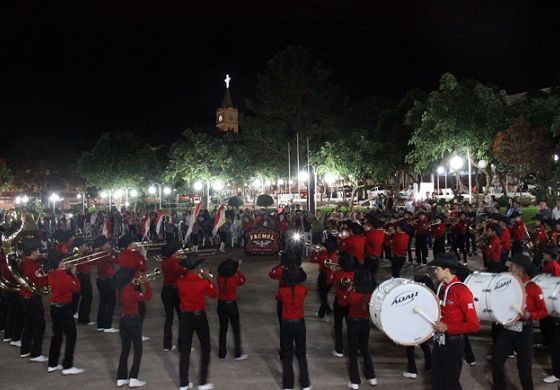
346,282
76,260
149,245
314,247
332,265
529,242
6,284
183,253
156,273
205,274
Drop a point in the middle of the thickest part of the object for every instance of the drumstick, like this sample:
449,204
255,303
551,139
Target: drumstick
517,309
419,311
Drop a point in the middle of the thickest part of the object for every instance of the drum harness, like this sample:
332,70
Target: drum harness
518,326
440,337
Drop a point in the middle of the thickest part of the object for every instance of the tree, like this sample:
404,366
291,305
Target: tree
458,117
6,177
118,159
236,202
265,200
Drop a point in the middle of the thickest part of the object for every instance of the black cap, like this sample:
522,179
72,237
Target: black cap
289,257
363,283
122,277
99,242
170,248
525,262
191,261
53,260
346,262
551,250
356,228
30,245
228,268
78,242
446,260
294,275
125,241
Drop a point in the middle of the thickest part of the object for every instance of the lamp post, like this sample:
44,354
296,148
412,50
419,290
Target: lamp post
166,191
107,194
199,186
82,196
305,175
54,198
128,190
440,170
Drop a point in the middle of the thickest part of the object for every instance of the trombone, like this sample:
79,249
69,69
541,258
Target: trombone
149,245
314,247
75,261
156,273
332,265
182,253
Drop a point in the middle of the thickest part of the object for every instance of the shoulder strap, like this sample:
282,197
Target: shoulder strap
443,302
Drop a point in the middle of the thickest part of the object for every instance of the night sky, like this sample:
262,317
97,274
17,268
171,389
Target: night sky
75,71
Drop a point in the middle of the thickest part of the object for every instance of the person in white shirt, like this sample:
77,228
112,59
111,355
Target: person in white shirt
556,211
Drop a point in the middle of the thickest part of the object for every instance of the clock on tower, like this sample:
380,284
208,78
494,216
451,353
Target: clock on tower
227,116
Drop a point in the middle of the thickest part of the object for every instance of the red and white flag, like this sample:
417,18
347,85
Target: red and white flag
146,226
219,219
194,217
159,221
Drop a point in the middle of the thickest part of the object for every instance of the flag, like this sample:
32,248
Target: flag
194,217
159,221
219,220
146,226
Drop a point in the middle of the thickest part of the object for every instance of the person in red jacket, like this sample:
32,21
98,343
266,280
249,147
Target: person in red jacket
421,229
550,326
399,247
519,336
540,239
355,244
438,234
192,290
292,296
229,279
32,303
328,253
550,265
458,317
172,272
340,309
357,298
107,295
63,284
81,302
505,240
493,250
375,239
130,256
460,229
130,327
517,231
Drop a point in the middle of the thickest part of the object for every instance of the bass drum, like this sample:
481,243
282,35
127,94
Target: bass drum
393,310
550,286
497,297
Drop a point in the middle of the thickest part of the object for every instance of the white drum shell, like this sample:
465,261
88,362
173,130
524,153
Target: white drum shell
392,307
498,297
550,285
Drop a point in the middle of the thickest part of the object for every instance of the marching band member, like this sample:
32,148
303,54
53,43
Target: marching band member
63,284
550,326
493,251
355,244
107,295
458,317
517,231
85,295
357,298
328,253
130,256
33,312
438,233
421,238
292,296
460,229
130,327
340,309
399,245
540,239
375,239
505,240
550,265
519,336
192,290
14,312
172,272
229,279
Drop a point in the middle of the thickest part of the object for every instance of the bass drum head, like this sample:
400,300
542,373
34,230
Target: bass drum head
396,315
506,297
550,286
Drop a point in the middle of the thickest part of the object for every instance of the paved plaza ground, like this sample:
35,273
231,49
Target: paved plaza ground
98,353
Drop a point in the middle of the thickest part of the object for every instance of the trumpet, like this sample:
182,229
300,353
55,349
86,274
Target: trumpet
75,260
314,247
205,274
346,282
332,265
156,273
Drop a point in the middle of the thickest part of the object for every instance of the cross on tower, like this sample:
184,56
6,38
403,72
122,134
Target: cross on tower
227,80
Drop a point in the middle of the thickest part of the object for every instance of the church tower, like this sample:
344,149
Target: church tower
227,116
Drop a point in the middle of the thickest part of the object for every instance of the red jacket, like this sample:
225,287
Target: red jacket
461,227
493,251
172,270
292,306
63,248
518,231
438,231
131,259
355,246
28,268
105,267
421,227
399,245
228,287
276,274
374,242
540,235
192,289
336,279
85,268
505,240
129,297
534,303
63,285
458,312
321,257
551,267
359,304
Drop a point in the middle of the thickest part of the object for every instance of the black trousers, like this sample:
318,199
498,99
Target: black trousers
469,355
170,301
555,347
358,340
14,315
131,333
516,247
387,252
229,313
397,263
323,289
411,358
107,301
339,314
33,326
84,298
522,342
459,246
293,331
447,361
421,249
372,263
188,325
3,310
439,246
62,323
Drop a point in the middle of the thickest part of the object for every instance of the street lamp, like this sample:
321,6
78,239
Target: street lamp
105,195
54,198
305,175
21,199
440,171
456,163
198,185
152,190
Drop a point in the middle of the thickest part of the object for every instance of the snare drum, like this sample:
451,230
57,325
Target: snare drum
550,286
497,297
392,310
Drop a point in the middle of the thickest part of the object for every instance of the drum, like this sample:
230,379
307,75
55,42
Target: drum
403,309
497,297
550,285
